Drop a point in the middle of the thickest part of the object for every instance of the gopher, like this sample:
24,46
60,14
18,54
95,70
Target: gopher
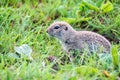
73,40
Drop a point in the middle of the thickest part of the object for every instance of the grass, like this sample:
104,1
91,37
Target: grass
26,21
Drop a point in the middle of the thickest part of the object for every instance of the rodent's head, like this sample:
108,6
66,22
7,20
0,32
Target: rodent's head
59,29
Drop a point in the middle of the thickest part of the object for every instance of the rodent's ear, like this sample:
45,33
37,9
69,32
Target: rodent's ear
66,28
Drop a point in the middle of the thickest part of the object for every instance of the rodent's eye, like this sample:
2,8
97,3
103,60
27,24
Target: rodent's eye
56,27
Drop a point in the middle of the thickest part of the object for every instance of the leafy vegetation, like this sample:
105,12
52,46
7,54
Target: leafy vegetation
26,21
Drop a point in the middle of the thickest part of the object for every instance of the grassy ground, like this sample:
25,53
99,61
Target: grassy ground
26,21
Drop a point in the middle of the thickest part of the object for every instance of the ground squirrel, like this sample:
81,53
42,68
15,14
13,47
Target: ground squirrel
78,40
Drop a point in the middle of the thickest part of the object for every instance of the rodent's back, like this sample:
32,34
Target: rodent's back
92,38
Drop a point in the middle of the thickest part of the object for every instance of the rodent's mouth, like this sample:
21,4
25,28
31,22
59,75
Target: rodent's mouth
52,35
